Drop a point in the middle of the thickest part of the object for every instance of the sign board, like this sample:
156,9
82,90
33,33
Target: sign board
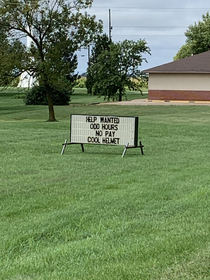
108,130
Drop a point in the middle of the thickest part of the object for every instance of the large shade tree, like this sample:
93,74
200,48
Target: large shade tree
197,38
117,68
56,28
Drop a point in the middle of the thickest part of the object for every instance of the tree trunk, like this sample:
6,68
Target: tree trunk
120,95
50,105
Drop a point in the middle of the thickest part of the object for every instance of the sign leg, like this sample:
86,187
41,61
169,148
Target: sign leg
64,146
126,146
82,147
141,147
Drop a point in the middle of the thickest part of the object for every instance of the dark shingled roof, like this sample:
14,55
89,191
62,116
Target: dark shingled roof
199,63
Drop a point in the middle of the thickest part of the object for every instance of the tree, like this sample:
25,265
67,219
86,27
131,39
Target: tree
57,29
102,43
185,51
197,38
117,68
13,57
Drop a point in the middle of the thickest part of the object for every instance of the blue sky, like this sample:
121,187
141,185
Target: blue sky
162,23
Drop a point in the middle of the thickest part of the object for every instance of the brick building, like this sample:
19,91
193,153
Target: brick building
184,79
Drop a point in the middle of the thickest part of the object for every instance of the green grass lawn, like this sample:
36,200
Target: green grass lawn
96,215
80,96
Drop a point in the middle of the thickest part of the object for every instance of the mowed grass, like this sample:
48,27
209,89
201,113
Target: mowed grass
80,97
96,215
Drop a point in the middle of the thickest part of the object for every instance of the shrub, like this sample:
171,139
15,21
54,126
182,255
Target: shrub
19,96
81,83
37,96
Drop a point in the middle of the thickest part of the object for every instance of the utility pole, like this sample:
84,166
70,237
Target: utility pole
110,25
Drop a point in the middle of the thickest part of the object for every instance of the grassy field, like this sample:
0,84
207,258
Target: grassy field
80,96
94,215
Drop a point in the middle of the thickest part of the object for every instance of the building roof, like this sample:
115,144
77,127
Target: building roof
199,63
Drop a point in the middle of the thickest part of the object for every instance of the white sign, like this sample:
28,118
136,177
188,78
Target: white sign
109,130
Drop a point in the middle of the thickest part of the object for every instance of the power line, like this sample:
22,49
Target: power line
140,26
159,35
149,9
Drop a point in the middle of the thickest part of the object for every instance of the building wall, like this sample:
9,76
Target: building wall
179,95
179,87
